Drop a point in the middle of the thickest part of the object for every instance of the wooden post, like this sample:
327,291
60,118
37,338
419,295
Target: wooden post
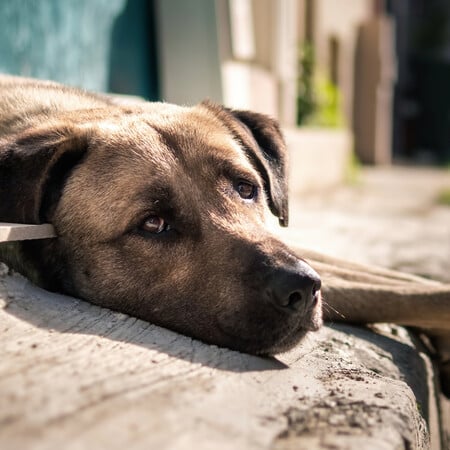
375,73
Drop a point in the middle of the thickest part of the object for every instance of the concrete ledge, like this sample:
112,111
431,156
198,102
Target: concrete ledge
73,375
319,158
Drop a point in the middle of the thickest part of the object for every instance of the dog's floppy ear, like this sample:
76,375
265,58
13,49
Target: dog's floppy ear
270,158
263,142
33,168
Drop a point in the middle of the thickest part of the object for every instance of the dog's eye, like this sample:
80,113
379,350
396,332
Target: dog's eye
155,225
246,190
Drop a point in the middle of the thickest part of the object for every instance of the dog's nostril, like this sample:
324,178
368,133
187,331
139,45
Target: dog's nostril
294,300
316,286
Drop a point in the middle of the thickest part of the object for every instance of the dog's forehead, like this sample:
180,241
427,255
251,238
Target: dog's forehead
165,134
189,126
198,137
170,145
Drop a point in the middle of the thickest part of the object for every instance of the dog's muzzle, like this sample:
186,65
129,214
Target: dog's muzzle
294,289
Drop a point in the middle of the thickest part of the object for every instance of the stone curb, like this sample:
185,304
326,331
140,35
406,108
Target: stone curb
73,375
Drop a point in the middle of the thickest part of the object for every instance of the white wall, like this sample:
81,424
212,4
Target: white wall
189,60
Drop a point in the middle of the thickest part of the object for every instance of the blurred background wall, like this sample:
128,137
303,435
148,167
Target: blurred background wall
68,41
378,70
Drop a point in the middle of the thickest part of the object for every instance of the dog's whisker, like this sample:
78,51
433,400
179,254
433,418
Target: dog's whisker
330,308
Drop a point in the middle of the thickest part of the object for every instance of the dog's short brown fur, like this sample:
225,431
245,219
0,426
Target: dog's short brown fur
107,175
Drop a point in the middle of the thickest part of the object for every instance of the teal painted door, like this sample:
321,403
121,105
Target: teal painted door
133,63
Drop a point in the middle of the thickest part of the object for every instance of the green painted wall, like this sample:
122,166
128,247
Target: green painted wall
63,40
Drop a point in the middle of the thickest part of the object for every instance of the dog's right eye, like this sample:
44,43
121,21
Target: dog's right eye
155,225
246,190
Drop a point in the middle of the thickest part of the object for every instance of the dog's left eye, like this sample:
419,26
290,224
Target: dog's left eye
155,225
246,190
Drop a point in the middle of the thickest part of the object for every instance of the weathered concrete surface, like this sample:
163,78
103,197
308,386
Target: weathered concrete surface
390,217
74,376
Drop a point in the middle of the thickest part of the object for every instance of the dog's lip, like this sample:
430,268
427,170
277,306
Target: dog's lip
315,325
315,314
284,343
294,335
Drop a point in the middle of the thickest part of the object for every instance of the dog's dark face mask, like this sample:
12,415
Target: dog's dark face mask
160,214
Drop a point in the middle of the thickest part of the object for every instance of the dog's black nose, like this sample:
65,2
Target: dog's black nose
295,288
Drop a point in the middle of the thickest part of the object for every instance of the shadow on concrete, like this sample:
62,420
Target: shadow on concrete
63,314
50,311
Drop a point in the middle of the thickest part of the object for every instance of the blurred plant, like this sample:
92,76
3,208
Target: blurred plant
327,112
319,100
444,197
305,94
353,169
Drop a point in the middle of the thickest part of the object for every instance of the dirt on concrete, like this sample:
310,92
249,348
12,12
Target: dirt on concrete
75,376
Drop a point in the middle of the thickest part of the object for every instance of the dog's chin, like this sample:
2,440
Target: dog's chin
274,341
268,348
290,341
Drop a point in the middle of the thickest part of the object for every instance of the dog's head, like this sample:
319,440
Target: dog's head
160,213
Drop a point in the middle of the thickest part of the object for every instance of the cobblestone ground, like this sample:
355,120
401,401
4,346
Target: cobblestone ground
388,217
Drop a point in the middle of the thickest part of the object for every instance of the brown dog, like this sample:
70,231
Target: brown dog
159,212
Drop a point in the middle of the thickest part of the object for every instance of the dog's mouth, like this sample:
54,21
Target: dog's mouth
272,334
273,346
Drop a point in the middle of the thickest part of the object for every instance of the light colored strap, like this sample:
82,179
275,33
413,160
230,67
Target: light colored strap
22,232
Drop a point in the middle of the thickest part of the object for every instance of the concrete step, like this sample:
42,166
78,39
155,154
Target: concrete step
73,375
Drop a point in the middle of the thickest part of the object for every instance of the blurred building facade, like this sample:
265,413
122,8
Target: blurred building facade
422,91
381,61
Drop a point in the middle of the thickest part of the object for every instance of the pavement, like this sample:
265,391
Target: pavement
76,376
389,217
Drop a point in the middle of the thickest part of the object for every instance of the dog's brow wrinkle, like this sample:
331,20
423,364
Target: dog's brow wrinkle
169,139
232,167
